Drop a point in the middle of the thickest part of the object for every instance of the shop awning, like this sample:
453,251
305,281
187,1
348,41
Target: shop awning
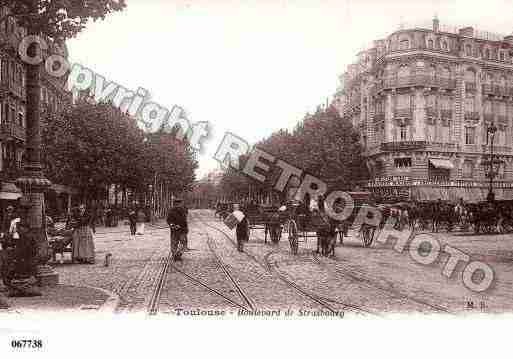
442,164
9,191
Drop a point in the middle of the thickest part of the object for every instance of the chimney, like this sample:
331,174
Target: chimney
466,31
436,24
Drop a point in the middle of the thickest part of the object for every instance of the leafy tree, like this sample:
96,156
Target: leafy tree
323,145
92,146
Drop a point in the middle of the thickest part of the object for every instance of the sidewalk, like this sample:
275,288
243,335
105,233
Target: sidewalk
63,298
100,288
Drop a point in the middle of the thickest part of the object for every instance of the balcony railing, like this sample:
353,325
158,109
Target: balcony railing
470,86
439,146
415,80
14,130
490,89
402,145
496,149
472,115
472,148
403,113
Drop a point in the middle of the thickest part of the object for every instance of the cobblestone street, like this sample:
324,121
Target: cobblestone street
214,276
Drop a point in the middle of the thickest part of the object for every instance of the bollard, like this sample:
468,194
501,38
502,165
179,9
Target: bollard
108,257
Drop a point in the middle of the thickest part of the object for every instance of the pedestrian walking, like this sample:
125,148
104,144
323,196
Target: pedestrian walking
132,220
242,229
177,221
141,219
83,243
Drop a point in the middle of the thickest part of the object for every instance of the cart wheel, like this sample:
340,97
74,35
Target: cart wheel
293,236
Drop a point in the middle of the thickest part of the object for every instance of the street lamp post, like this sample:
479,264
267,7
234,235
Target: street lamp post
490,137
34,253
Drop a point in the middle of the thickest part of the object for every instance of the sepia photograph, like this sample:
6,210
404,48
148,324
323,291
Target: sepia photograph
256,177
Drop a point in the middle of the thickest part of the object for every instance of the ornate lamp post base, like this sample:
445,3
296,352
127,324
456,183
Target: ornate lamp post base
34,184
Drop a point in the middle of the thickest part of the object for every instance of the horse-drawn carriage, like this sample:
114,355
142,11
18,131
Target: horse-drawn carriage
300,223
266,217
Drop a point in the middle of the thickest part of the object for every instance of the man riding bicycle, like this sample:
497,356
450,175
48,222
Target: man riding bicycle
177,221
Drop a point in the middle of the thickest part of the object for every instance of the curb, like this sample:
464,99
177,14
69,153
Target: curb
112,302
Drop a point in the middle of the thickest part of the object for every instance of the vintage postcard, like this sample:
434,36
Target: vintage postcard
184,173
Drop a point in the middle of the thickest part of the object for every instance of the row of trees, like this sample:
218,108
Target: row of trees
94,146
323,144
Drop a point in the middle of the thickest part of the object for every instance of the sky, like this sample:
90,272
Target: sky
251,67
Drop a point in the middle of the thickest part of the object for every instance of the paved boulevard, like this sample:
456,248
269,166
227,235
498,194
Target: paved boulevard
214,276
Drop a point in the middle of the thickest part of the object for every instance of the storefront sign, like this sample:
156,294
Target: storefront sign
405,181
461,184
390,181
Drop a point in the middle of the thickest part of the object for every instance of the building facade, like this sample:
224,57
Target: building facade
423,100
54,98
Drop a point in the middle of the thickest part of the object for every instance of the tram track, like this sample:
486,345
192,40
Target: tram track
209,288
212,247
361,280
242,294
322,301
166,265
154,303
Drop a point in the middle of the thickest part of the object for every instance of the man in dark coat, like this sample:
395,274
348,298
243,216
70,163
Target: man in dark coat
177,221
241,230
132,218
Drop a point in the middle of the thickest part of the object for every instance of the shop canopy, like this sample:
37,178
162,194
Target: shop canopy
9,191
441,164
453,194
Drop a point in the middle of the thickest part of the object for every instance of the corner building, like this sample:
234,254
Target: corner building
54,99
422,100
